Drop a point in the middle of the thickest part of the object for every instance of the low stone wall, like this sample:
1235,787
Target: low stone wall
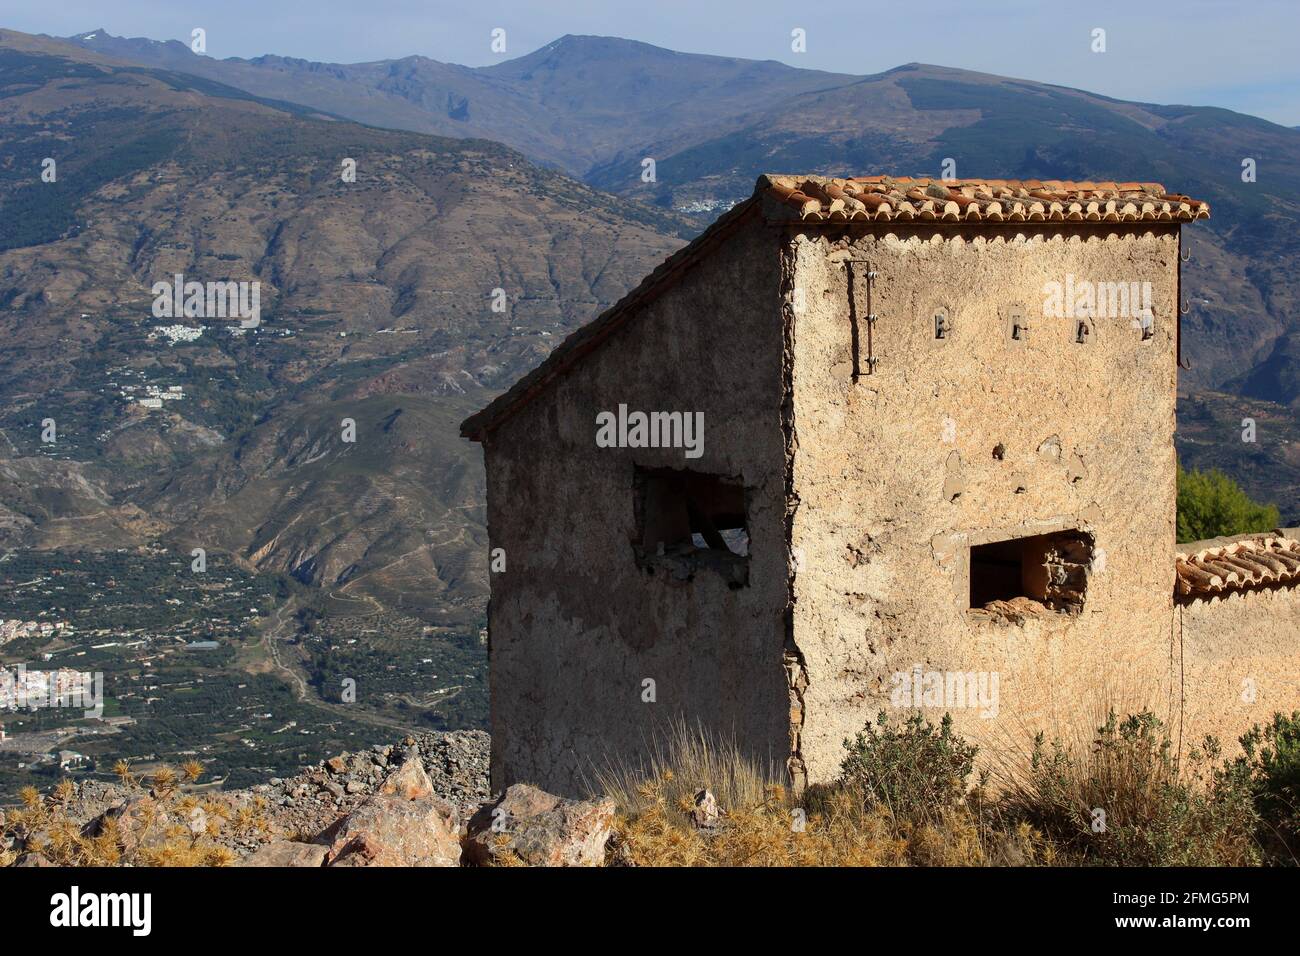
1236,657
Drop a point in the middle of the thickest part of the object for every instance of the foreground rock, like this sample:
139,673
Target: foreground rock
430,783
409,782
705,814
297,808
532,827
403,824
287,853
455,763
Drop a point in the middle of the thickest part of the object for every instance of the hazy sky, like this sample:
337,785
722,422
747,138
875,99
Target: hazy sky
1239,54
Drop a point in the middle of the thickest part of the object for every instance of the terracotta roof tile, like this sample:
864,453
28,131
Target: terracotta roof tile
1251,562
903,199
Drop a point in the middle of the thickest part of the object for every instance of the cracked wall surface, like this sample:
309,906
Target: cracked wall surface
576,625
941,443
874,454
1238,660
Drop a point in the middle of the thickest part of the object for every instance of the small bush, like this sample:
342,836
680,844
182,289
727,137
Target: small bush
1127,802
1269,769
915,771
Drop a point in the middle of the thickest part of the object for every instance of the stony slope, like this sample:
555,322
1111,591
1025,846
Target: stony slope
305,804
377,306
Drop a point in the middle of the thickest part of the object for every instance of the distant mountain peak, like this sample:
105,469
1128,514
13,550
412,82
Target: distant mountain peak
103,40
578,46
596,40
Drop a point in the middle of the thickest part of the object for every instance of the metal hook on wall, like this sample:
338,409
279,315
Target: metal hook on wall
1184,309
1186,258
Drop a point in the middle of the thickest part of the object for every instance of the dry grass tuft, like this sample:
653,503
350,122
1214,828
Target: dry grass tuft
1126,799
43,825
684,761
835,829
763,826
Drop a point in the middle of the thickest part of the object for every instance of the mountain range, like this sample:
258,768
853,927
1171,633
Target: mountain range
379,307
521,182
597,107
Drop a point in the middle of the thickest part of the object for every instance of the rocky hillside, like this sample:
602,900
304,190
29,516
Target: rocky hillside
396,302
456,765
422,802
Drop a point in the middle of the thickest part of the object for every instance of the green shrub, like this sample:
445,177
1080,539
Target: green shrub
1270,770
1211,505
1127,801
914,770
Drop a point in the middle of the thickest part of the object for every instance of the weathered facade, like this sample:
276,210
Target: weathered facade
1236,642
905,443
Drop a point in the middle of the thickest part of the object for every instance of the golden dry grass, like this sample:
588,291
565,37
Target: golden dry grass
764,826
832,828
1160,809
1120,796
49,829
686,759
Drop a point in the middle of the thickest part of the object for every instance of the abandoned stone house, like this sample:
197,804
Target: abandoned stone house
860,437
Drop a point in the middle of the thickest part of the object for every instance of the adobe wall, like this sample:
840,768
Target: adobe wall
575,625
1239,659
896,476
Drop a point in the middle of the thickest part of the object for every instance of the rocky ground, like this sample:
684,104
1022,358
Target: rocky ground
456,764
425,801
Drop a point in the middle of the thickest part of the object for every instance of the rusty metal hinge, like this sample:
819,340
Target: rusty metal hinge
871,361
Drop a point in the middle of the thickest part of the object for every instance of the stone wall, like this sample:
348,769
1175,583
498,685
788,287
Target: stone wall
866,486
1238,658
576,624
972,438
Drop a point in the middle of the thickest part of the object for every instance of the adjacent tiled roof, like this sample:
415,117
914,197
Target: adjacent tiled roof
870,198
813,200
1238,565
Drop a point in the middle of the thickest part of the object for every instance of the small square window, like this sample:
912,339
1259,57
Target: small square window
1049,570
689,521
